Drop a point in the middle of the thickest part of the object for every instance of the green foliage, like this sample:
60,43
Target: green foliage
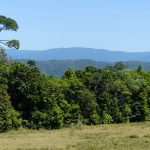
9,24
90,96
59,67
31,63
13,119
3,55
9,118
139,69
13,43
106,118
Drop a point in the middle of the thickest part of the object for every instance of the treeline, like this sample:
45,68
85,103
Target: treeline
58,67
91,96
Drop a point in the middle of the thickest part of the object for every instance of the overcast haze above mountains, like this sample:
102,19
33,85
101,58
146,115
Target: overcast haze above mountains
76,53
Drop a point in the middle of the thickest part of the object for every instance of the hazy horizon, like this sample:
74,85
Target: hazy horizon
128,51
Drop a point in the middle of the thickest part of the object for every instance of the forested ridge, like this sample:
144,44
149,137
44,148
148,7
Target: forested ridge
58,67
92,96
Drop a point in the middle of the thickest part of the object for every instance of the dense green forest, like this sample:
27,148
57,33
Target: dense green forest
29,98
58,67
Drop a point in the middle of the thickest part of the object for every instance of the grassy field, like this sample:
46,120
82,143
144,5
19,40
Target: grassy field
133,136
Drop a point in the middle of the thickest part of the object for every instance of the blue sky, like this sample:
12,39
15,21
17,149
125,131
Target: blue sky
108,24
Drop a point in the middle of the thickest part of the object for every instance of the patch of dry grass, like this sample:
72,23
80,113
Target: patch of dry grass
133,136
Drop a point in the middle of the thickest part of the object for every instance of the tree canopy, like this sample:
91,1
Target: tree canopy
90,96
9,24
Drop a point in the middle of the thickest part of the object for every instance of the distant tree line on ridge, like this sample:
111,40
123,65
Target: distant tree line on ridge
59,67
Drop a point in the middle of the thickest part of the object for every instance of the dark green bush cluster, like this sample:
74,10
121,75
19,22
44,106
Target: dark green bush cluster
31,99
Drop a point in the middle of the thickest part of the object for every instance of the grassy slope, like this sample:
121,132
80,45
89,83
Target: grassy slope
134,136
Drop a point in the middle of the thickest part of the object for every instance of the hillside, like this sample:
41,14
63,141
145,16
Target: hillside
77,53
58,67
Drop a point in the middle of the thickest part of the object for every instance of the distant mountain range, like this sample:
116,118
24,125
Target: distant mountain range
77,53
56,61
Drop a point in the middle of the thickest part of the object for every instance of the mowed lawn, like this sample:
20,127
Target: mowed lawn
132,136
